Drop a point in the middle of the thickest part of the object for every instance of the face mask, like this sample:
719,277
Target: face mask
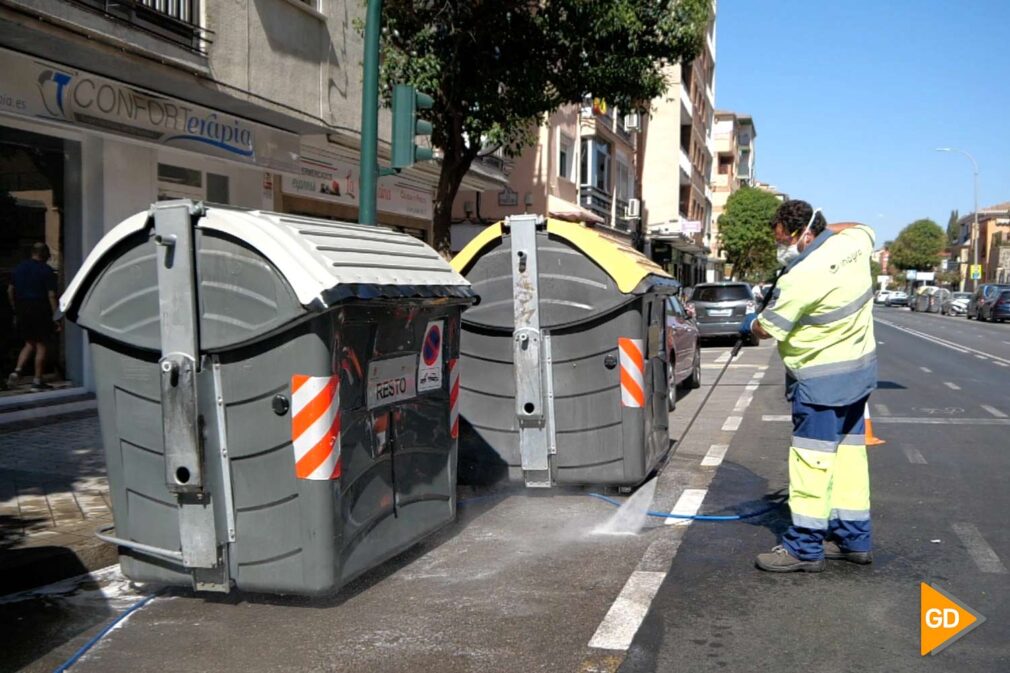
787,253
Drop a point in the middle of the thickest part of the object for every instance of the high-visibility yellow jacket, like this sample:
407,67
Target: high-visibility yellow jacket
822,317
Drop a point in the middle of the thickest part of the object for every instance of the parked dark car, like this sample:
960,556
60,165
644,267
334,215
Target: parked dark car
984,295
721,307
956,304
683,367
999,310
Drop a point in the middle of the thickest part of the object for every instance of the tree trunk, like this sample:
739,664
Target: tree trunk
455,163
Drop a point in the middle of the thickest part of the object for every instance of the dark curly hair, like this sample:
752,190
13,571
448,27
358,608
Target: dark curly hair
794,216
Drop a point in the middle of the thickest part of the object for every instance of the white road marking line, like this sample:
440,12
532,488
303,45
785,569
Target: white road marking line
758,376
745,399
912,420
914,456
880,343
979,550
943,342
723,358
926,369
1002,364
621,622
732,424
981,357
715,454
994,411
952,386
688,504
751,387
882,409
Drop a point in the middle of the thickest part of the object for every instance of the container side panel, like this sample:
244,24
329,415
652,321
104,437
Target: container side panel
284,526
573,287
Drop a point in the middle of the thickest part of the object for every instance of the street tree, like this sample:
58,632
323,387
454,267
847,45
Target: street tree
953,228
746,235
497,69
875,270
919,245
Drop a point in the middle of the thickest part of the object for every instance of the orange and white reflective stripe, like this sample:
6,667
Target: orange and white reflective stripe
315,426
454,398
632,372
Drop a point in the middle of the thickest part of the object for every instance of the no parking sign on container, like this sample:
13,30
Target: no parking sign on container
429,366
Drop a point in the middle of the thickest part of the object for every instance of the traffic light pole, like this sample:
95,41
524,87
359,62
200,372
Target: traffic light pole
369,166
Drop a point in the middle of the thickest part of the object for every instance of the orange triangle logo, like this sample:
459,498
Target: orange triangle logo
942,619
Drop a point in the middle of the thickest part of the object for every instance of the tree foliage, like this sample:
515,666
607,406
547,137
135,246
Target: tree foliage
918,246
497,68
953,228
875,270
745,233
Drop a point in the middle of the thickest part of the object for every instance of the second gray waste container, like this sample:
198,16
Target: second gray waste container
566,356
274,394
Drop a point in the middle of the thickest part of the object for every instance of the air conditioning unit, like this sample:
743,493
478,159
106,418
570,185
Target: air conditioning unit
633,122
634,209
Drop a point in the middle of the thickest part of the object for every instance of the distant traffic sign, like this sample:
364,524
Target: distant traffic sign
976,272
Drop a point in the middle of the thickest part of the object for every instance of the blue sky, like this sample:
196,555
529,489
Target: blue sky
851,98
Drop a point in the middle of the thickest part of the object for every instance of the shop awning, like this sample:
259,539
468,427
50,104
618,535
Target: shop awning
628,267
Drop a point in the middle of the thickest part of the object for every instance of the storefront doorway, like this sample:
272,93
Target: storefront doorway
33,188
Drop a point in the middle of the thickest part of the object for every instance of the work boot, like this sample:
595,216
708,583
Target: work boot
38,386
835,553
779,560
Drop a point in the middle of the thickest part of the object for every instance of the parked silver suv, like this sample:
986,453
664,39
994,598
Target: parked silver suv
721,307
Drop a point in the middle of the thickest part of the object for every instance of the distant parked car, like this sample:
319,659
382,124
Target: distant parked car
956,304
721,307
881,296
936,300
896,298
683,368
983,295
999,310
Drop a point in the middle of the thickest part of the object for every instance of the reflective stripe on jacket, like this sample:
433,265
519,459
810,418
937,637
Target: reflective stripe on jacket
822,317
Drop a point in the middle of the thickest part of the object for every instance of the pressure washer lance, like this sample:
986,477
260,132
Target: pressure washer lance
736,351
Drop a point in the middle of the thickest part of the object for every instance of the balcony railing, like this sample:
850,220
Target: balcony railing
176,21
597,201
621,221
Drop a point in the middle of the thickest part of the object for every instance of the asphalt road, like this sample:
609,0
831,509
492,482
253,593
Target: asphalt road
522,583
939,502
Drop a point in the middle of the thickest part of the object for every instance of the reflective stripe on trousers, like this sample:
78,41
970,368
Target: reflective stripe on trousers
829,486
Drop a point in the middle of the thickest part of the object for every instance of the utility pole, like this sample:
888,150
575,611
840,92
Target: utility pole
369,162
974,226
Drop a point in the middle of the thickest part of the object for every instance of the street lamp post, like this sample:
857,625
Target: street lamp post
974,224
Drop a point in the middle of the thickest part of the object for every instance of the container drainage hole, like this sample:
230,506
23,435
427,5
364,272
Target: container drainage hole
528,407
182,475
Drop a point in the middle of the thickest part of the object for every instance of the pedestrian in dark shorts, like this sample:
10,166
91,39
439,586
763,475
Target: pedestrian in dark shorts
32,294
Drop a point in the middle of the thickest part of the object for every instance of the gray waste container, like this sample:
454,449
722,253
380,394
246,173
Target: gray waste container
565,357
274,394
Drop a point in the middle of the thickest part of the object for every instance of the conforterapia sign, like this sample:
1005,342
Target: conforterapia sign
392,380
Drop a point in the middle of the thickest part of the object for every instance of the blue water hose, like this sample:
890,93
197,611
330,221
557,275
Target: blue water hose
692,517
101,634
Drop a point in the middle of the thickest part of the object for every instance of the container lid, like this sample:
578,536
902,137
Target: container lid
323,261
632,271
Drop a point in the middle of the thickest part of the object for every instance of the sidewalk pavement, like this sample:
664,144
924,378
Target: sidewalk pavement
53,495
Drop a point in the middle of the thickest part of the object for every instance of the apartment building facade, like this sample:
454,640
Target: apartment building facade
676,155
734,135
992,242
107,107
582,168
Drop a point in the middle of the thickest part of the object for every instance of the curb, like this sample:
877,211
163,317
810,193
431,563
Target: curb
30,567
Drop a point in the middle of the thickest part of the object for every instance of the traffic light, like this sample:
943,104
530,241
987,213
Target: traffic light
406,126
